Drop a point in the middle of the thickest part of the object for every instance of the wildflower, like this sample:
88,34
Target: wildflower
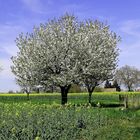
98,104
17,114
13,130
37,138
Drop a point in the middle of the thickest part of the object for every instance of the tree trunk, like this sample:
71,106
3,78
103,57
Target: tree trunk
52,89
63,98
129,89
28,98
64,93
28,93
89,99
90,91
38,90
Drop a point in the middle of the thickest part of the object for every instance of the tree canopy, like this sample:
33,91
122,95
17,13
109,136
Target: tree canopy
100,57
65,51
128,76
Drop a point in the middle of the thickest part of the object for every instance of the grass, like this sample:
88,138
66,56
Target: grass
74,98
43,118
48,98
40,122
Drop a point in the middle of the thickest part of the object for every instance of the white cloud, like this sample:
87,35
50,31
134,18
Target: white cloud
34,5
130,45
131,27
7,78
6,72
37,6
9,28
8,49
129,54
8,33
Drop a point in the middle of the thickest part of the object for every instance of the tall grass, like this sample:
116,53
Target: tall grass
27,121
43,118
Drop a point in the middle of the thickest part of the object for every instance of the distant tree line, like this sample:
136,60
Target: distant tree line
114,85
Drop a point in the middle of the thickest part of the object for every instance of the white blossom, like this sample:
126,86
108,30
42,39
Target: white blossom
64,51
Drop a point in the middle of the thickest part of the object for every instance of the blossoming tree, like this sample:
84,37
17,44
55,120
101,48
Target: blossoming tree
65,51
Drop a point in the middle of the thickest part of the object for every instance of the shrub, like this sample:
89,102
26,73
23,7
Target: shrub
10,91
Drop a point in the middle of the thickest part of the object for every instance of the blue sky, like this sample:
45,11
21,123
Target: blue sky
18,16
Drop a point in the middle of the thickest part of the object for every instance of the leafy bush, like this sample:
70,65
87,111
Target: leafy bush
10,91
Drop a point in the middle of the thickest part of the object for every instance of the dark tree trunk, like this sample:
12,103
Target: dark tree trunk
129,89
90,91
28,98
52,89
63,98
28,93
64,93
89,99
38,90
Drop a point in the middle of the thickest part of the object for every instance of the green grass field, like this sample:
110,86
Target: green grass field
106,98
43,118
50,98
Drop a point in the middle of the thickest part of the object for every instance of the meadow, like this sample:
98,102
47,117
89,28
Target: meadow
43,118
51,98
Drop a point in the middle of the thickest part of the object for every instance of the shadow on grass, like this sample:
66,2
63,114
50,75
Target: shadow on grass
102,105
112,105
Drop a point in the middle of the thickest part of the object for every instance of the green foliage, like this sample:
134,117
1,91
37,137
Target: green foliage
115,85
10,91
44,118
40,122
107,84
